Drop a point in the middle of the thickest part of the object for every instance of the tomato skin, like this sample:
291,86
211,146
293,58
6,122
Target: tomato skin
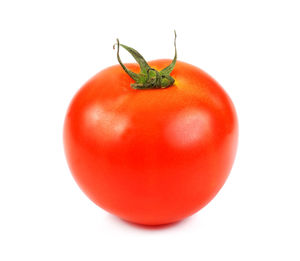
151,156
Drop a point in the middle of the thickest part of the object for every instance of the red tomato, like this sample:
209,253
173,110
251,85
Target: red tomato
151,156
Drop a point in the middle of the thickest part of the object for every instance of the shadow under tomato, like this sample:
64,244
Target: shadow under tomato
150,227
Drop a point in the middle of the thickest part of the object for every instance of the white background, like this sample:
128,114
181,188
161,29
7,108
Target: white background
48,49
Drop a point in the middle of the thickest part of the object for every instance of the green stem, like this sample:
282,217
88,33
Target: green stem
148,78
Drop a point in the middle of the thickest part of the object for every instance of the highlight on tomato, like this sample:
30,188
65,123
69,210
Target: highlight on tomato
152,142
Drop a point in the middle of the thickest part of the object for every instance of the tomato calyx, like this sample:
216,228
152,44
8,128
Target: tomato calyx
148,78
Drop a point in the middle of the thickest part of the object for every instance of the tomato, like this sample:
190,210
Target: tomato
151,156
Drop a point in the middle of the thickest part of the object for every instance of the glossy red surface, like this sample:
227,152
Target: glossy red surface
151,156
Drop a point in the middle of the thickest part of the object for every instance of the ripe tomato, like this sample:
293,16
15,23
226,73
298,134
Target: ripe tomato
151,156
